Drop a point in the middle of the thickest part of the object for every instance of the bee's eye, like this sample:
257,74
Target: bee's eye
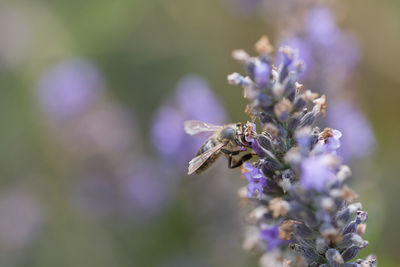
228,133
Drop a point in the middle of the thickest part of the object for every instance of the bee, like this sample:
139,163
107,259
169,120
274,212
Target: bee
230,139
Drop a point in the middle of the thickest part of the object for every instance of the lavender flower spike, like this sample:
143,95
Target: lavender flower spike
255,178
305,214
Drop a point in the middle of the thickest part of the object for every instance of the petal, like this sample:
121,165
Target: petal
248,166
333,143
248,176
251,188
336,133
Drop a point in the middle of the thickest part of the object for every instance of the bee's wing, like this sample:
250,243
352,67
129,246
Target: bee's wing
196,162
193,127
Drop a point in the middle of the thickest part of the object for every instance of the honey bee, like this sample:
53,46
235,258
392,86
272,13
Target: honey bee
230,139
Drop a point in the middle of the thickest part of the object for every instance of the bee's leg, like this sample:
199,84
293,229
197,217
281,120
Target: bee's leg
234,164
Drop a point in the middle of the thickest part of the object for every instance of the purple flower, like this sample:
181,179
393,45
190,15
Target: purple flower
255,178
358,137
271,235
329,141
256,148
321,26
167,133
69,87
303,50
300,183
196,100
146,188
303,138
345,53
262,73
316,172
288,55
340,49
333,141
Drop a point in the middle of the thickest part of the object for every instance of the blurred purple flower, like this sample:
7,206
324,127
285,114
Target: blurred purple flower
303,139
343,56
69,87
316,172
194,100
262,73
358,138
303,50
146,186
271,235
197,101
255,178
321,26
21,216
340,51
167,131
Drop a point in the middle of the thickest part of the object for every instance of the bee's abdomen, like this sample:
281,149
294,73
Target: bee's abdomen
209,144
208,162
206,146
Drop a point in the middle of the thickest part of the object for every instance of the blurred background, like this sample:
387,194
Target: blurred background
93,97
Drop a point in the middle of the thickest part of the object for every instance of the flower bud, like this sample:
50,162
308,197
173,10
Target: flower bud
240,55
350,253
320,106
282,109
334,258
278,207
263,46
